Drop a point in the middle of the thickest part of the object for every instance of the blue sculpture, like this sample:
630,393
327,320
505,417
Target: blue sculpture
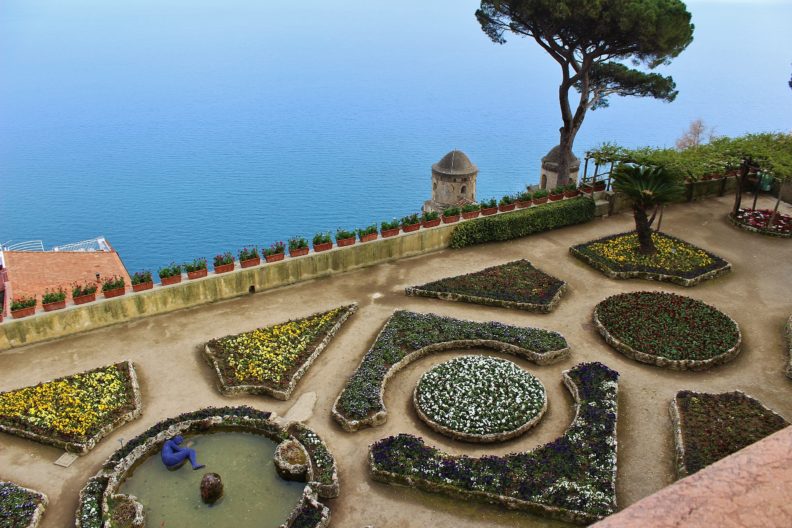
173,455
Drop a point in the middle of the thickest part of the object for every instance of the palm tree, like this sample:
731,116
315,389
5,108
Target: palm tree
648,187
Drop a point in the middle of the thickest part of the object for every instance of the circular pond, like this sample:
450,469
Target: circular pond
255,496
479,399
667,330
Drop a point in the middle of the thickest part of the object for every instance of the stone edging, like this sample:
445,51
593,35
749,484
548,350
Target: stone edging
279,394
649,275
286,469
788,332
35,519
752,229
673,364
489,301
380,417
82,448
503,500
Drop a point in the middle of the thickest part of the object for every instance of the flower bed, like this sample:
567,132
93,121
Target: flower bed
20,507
99,496
668,330
709,427
572,478
676,261
479,399
756,220
272,360
74,412
408,336
513,285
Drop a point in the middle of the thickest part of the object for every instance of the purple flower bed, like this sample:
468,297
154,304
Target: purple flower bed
18,505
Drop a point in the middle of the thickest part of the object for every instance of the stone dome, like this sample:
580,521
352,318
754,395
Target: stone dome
455,163
550,161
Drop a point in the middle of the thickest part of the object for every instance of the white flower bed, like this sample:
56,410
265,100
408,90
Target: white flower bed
480,398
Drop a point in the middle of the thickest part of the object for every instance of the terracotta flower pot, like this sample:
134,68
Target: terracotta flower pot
540,201
82,299
411,228
431,223
57,305
279,256
571,194
345,242
486,211
324,246
197,274
173,279
117,292
369,237
386,233
298,252
507,207
599,186
142,286
450,219
224,268
522,204
249,263
470,214
556,197
23,312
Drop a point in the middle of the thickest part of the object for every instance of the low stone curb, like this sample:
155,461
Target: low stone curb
788,332
745,227
38,513
647,275
81,448
673,364
279,394
380,417
309,498
489,301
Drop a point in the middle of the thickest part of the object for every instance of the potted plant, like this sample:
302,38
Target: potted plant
430,219
599,185
506,204
249,257
556,194
298,246
113,287
389,228
23,306
142,280
587,188
540,196
523,199
83,293
322,242
571,190
344,237
451,215
224,262
489,207
196,269
277,251
54,300
410,223
368,233
171,274
471,210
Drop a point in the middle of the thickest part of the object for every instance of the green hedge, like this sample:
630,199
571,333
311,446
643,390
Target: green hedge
523,222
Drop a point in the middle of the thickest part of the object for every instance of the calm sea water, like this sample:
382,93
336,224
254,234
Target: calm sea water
183,128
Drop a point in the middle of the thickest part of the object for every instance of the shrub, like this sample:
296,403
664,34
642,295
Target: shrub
524,196
112,283
248,253
141,277
22,302
341,234
322,238
410,220
506,200
392,224
170,271
541,193
368,230
451,211
80,290
223,259
297,242
558,190
522,223
276,249
196,265
50,297
469,208
489,204
428,216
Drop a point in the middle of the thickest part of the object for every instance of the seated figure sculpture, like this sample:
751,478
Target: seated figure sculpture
173,455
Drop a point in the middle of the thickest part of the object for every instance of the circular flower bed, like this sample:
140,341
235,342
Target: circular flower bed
668,330
757,220
479,399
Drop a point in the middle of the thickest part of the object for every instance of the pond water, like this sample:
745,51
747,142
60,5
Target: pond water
255,496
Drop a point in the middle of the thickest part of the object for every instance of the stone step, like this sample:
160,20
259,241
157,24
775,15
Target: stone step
601,207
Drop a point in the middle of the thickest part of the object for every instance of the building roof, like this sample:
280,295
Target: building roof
554,156
455,163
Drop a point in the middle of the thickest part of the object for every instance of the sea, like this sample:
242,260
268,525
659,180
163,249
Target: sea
179,129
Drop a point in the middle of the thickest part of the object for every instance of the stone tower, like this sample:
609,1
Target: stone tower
453,182
550,168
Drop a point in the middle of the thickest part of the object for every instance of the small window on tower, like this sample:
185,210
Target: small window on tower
464,189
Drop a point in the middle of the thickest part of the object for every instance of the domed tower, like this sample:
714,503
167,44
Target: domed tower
453,182
550,168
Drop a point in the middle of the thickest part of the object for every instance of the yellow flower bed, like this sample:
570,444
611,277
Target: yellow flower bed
672,254
72,407
268,354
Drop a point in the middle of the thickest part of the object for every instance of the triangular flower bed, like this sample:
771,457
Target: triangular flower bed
709,427
573,478
20,507
515,284
76,411
271,360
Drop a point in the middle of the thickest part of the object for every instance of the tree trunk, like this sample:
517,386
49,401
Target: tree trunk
647,247
567,139
740,184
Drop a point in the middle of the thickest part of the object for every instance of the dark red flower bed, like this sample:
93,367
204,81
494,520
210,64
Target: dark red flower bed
758,219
